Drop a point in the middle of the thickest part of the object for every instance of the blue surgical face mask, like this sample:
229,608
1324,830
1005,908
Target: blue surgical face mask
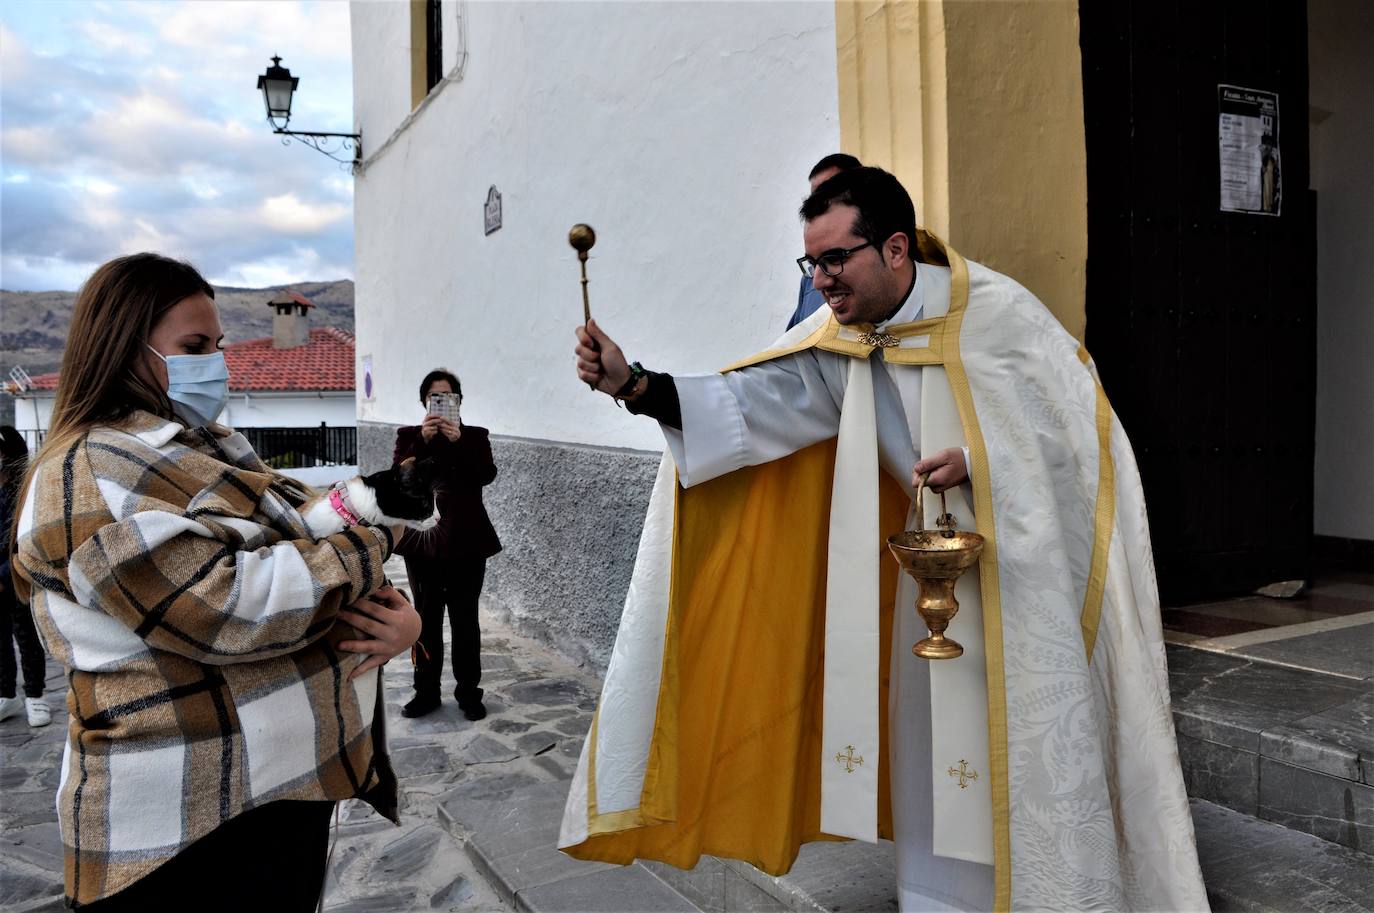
197,385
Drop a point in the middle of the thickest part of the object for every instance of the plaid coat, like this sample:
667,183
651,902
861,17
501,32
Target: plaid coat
173,576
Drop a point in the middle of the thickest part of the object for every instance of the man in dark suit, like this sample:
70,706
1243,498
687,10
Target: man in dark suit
808,299
447,564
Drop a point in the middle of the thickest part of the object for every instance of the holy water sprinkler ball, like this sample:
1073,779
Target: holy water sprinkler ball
581,237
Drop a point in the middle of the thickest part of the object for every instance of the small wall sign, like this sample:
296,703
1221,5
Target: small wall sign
367,379
491,212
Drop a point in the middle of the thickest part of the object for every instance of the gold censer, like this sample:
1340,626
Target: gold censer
936,559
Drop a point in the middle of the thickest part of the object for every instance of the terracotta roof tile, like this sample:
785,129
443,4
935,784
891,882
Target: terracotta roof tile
326,363
287,296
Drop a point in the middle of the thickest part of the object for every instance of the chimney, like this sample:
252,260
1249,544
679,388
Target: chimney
291,322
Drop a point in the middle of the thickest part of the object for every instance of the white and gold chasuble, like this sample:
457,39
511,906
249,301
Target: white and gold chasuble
762,692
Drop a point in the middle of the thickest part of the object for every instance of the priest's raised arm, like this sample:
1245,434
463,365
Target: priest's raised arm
717,423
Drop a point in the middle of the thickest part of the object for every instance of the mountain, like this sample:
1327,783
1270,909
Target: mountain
33,325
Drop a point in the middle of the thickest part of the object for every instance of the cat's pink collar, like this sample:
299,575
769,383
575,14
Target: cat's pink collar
338,499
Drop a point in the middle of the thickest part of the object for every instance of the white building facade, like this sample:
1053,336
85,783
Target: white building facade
683,133
703,121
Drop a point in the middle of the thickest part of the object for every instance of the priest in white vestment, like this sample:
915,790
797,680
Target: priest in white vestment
763,692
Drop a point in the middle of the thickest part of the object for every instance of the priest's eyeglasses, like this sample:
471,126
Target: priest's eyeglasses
831,262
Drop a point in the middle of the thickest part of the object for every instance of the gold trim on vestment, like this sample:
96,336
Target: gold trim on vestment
827,328
987,576
665,717
831,336
1104,521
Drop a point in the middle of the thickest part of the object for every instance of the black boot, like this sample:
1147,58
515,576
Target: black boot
420,705
471,704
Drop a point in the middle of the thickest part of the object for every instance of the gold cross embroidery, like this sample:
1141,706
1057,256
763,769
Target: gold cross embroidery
964,774
849,759
880,340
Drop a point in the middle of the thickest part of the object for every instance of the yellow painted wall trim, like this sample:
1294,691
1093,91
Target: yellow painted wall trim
891,62
977,108
419,53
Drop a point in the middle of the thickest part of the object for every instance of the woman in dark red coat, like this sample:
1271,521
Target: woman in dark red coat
447,563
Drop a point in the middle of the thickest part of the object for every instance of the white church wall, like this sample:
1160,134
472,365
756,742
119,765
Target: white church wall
381,81
683,135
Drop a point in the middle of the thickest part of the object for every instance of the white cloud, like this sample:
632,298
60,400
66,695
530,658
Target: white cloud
14,62
93,185
287,213
302,262
340,185
112,38
30,144
311,28
104,152
202,188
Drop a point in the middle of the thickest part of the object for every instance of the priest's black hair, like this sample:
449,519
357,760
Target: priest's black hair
883,203
840,161
439,374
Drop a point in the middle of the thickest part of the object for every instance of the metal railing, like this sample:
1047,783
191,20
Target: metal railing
280,448
298,448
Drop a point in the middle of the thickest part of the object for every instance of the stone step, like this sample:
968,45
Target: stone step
1290,746
1250,866
1253,866
511,838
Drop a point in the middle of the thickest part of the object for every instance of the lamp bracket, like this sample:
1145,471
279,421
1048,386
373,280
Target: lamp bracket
335,145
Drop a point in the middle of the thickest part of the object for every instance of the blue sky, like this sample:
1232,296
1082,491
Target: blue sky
128,126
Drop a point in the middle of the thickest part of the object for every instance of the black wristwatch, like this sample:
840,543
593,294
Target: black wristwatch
636,372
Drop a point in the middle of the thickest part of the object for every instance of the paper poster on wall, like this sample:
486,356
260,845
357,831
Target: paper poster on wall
1251,179
367,379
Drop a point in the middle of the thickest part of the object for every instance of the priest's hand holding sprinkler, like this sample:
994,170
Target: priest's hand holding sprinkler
600,363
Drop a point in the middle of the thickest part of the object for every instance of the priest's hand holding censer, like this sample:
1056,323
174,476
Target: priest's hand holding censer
936,559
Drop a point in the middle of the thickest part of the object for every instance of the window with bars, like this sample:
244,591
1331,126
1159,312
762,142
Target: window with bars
434,44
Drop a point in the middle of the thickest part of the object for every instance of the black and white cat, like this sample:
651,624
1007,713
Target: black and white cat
403,494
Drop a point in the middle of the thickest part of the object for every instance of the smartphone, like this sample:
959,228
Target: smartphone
444,405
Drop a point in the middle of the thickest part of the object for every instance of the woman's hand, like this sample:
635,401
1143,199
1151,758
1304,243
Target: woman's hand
430,427
389,620
450,429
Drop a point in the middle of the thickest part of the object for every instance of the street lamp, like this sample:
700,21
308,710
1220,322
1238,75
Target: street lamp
277,86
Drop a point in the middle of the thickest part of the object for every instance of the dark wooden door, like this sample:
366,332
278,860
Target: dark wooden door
1202,322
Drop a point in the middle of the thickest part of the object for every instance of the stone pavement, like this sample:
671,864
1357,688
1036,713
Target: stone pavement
539,707
481,804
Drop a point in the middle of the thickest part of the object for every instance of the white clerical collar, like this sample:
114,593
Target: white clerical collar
911,308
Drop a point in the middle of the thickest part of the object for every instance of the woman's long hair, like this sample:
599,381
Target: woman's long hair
114,315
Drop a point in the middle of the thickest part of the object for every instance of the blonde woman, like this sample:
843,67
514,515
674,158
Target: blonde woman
223,675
